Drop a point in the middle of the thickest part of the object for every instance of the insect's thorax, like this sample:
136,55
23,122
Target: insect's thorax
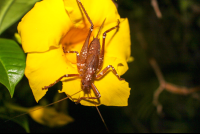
91,64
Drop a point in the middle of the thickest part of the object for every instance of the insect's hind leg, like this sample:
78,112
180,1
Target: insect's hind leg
84,50
66,75
85,13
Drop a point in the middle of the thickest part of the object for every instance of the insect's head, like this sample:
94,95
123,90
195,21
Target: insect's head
85,86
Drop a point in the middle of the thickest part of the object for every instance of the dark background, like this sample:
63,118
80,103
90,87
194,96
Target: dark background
173,41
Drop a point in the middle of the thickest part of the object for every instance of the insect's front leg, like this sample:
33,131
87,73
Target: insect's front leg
103,72
98,95
101,57
66,75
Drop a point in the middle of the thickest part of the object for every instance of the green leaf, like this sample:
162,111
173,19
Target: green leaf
22,121
12,64
12,10
11,112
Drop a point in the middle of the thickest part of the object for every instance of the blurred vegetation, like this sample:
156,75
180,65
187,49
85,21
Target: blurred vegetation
171,40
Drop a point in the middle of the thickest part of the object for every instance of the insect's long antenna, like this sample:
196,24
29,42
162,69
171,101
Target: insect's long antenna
101,27
43,106
100,115
102,118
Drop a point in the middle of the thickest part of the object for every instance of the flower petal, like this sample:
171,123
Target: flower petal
44,26
43,69
118,42
97,10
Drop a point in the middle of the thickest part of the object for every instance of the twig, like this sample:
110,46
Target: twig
163,85
162,82
157,70
169,87
154,3
156,98
181,90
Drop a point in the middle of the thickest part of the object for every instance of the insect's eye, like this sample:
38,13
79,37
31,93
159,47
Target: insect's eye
83,83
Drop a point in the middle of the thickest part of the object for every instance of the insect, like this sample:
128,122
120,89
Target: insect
90,62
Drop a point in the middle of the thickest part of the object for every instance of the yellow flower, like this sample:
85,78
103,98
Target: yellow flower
52,24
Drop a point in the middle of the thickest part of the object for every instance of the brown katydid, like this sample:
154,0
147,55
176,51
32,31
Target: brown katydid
89,64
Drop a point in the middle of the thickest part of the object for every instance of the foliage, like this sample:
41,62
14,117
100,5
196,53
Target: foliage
12,64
